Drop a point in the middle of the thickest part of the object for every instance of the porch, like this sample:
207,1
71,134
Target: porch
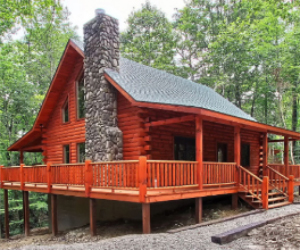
148,181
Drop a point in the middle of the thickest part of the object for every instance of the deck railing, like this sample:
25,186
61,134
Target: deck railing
68,174
11,174
140,175
295,171
255,186
219,172
115,174
35,174
171,173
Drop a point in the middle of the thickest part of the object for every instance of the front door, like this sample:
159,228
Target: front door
184,149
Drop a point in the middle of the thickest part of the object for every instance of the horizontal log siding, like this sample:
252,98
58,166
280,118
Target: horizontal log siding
131,124
58,133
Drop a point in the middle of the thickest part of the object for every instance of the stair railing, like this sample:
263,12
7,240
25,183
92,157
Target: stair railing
257,187
281,183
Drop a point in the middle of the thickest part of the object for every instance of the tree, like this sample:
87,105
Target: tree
149,38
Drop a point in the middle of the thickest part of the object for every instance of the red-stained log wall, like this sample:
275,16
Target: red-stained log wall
58,133
161,142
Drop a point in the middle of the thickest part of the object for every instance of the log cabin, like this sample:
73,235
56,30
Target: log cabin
117,136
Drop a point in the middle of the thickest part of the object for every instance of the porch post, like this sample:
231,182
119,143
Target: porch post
21,157
92,216
265,154
146,218
26,213
54,214
286,156
6,213
199,150
237,160
198,210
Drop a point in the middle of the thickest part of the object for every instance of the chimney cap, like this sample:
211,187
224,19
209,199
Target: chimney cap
99,11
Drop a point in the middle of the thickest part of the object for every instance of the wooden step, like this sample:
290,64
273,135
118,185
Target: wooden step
281,204
271,200
270,194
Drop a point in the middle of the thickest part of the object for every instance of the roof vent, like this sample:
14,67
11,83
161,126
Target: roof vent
99,12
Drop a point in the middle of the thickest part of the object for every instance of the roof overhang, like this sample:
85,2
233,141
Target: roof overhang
209,115
32,141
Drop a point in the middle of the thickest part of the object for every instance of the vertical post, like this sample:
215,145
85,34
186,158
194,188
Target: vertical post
291,188
26,213
21,157
286,156
49,177
199,150
93,228
54,214
265,192
235,201
6,213
198,210
1,176
265,154
143,177
146,218
22,176
237,160
88,177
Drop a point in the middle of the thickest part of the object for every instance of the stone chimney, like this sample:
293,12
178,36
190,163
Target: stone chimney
101,50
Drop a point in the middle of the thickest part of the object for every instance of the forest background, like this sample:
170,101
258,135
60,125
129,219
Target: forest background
247,51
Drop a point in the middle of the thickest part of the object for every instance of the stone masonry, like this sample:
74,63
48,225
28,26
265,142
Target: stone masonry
101,49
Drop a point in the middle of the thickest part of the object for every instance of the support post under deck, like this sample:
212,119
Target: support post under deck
198,210
93,229
26,213
54,214
6,213
146,218
235,199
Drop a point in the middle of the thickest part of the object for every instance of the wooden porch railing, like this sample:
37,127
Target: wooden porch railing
255,186
35,174
115,174
219,172
68,174
281,183
140,175
295,171
171,173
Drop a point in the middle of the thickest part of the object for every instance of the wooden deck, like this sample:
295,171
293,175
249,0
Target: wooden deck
149,181
142,181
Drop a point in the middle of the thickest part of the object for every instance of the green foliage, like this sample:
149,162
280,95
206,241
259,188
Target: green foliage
27,66
149,38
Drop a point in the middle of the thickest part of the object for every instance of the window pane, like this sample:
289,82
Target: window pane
66,112
81,152
245,155
222,152
80,98
67,154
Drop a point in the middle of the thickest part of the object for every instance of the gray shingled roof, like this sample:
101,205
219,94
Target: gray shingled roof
146,84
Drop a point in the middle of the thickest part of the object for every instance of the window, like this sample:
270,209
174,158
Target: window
65,111
80,98
184,149
245,155
81,152
67,153
222,152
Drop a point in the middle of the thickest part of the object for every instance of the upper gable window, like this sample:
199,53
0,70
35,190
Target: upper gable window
65,111
80,98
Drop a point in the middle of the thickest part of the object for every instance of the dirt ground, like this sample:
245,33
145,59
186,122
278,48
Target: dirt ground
282,234
212,209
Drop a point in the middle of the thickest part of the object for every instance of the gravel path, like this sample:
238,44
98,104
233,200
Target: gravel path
198,238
